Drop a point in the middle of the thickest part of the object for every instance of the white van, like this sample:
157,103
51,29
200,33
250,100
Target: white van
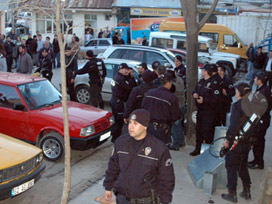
207,50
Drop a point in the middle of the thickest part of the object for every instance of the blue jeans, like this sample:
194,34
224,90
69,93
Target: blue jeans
249,70
177,131
57,57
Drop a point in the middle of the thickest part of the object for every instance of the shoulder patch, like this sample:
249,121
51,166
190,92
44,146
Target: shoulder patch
216,92
168,162
113,83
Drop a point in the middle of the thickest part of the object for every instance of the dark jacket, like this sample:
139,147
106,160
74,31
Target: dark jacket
33,46
209,92
162,105
71,66
135,173
120,87
250,54
261,102
136,97
56,47
45,63
259,60
92,69
9,48
228,86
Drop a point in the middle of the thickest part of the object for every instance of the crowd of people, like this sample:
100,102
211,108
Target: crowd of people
155,108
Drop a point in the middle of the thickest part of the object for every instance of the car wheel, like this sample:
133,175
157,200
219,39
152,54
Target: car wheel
83,94
52,146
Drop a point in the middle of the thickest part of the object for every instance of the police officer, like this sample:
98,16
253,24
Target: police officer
163,107
217,82
121,89
71,68
140,169
228,92
263,92
137,94
205,94
141,69
95,77
236,159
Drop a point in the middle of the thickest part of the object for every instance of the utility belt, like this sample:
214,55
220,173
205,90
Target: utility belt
164,126
154,200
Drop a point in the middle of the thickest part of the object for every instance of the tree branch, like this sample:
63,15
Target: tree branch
208,14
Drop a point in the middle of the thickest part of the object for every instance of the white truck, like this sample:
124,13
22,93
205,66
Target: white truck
206,49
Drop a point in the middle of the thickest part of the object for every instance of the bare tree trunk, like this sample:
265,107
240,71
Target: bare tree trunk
189,8
67,173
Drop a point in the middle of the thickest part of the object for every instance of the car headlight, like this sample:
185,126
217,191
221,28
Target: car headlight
38,159
84,132
112,120
1,175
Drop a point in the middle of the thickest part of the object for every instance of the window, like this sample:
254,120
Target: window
181,45
111,70
117,53
136,55
213,36
90,21
202,47
8,97
230,40
152,56
107,17
45,24
92,43
160,42
104,43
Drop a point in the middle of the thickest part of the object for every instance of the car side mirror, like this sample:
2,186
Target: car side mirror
19,107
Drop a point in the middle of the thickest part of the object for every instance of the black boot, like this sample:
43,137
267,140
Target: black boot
196,151
231,196
245,193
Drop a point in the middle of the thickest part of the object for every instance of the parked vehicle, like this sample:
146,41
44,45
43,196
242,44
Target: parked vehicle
140,27
31,110
183,54
82,85
224,38
206,49
97,45
21,166
141,54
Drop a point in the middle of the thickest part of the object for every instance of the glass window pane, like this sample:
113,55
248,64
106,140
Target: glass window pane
40,26
49,26
152,56
9,97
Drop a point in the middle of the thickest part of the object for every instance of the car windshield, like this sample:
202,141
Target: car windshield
39,94
170,55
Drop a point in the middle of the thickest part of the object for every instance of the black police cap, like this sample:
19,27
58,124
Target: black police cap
262,76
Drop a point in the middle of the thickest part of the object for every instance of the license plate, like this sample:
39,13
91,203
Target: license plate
23,187
104,136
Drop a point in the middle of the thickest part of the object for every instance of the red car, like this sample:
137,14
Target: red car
183,54
31,110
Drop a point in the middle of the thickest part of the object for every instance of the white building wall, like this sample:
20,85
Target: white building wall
250,28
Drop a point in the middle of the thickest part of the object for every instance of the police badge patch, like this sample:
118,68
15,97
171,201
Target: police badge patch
133,117
147,151
168,162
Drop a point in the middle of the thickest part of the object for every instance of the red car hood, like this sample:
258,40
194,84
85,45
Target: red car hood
79,114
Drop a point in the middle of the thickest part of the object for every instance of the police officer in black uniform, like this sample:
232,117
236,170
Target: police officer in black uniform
140,169
217,82
121,89
228,92
236,159
138,93
205,94
95,77
163,107
262,93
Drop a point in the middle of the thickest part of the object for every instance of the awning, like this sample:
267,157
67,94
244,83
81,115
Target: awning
173,4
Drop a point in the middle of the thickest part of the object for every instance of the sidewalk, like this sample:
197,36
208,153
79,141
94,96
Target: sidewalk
185,191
